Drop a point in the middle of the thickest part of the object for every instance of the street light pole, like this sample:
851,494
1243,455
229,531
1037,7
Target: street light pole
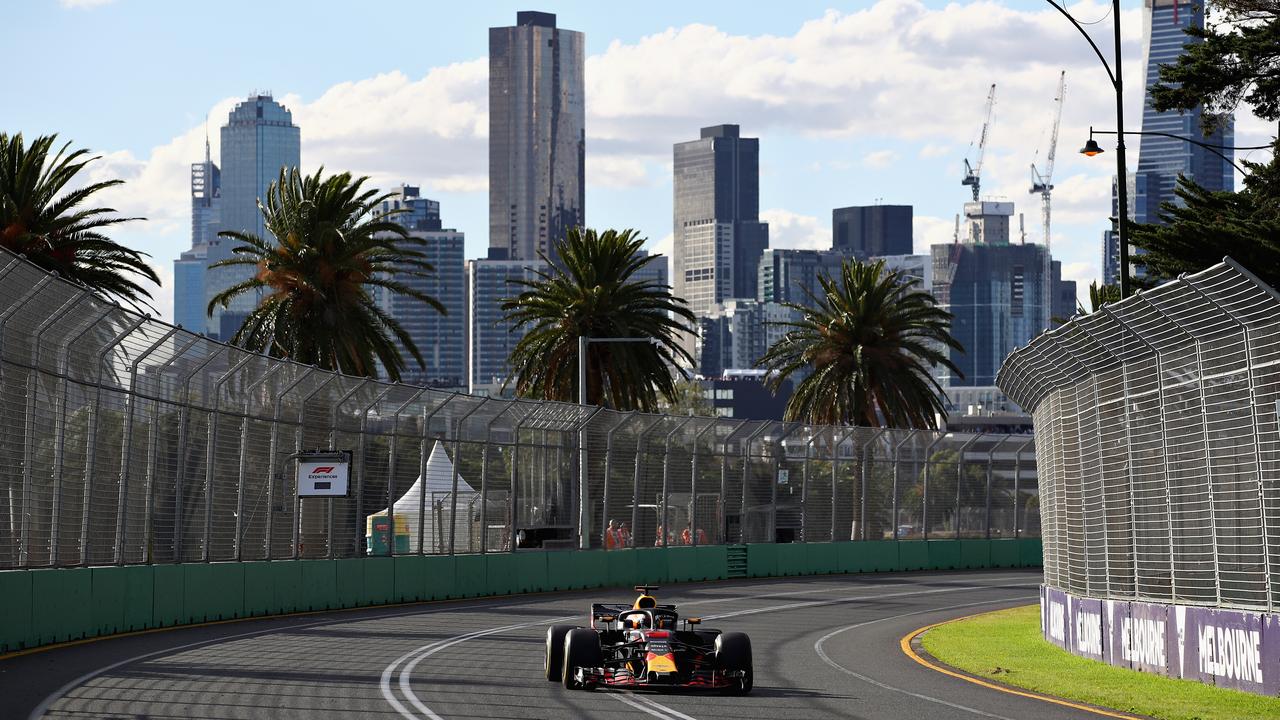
1122,179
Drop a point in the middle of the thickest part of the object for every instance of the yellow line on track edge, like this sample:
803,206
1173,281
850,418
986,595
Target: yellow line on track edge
905,644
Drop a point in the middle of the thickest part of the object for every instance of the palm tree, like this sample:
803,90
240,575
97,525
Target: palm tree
869,339
44,219
590,291
327,257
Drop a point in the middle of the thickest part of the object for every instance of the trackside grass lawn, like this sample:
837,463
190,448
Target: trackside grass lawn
1006,646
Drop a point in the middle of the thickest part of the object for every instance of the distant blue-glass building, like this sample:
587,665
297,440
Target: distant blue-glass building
189,300
490,338
258,140
1160,159
441,339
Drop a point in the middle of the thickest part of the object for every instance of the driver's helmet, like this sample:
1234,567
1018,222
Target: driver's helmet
638,621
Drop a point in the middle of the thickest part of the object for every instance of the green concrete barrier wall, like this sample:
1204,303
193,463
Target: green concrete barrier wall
41,607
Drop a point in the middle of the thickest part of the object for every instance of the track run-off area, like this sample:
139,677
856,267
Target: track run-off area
824,647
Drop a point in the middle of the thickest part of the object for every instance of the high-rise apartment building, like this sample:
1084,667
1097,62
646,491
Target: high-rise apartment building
258,140
872,230
718,234
490,338
189,300
739,332
1162,159
537,135
790,275
441,339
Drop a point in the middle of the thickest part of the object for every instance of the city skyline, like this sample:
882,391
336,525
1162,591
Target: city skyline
817,154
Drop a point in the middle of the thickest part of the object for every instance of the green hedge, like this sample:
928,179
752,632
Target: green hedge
40,607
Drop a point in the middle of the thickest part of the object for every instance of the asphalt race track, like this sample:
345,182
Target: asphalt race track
824,647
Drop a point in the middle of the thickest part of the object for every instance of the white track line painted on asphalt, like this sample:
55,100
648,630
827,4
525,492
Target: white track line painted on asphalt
647,705
817,647
405,680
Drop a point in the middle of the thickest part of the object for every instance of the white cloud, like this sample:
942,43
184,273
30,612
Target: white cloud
928,231
932,150
792,230
83,4
663,246
613,171
879,159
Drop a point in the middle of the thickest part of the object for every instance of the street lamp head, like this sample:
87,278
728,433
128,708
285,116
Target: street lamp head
1091,148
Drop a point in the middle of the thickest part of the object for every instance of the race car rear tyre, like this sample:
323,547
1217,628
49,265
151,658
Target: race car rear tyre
733,653
554,662
581,650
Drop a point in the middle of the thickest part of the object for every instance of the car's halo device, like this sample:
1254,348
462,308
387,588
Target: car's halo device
647,645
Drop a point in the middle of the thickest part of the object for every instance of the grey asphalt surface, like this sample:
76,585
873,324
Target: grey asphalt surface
483,659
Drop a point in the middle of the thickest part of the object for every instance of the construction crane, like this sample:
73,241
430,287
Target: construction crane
971,172
1042,184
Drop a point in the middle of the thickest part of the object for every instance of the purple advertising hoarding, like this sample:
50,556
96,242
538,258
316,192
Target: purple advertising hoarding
1237,649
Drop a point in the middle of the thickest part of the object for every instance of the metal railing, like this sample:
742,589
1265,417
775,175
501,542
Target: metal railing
125,440
1155,421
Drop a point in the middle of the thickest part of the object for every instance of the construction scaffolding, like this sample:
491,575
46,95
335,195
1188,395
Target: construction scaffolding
126,440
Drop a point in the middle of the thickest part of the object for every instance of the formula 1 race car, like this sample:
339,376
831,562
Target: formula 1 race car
643,645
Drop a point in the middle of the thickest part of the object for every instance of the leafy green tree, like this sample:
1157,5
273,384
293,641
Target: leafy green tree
326,259
869,340
590,291
687,400
43,216
1237,62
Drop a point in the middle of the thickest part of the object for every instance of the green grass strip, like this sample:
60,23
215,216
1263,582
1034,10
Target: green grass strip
1006,646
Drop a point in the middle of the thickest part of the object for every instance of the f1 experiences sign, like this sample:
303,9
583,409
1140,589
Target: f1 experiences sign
324,475
1238,649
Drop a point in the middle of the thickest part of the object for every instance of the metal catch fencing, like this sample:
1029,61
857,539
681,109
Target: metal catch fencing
126,440
1155,420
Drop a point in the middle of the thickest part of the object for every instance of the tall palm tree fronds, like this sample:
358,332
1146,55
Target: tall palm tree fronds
42,216
870,340
590,291
327,257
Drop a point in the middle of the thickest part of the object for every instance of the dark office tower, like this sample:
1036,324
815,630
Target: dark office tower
865,231
786,274
189,269
1162,159
537,136
258,140
718,234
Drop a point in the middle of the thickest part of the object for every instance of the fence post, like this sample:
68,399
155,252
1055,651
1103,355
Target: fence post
211,457
296,529
722,529
269,538
960,479
693,484
60,422
991,459
244,459
779,453
608,467
746,475
360,520
1017,477
330,517
804,490
91,454
665,531
153,452
484,477
835,463
457,460
1253,424
865,461
393,465
897,466
924,496
584,479
29,424
184,419
126,446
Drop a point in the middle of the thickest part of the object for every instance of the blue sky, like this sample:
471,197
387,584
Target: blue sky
853,102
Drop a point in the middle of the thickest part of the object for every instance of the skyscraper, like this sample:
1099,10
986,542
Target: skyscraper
490,339
865,231
790,275
258,140
1161,159
189,299
718,234
441,339
537,136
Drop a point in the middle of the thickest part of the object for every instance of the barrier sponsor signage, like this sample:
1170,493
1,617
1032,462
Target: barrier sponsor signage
324,475
1238,649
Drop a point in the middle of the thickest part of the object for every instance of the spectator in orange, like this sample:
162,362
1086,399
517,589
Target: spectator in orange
685,537
624,535
611,535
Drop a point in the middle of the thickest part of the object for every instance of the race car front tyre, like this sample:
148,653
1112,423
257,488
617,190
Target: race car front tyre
554,662
581,650
733,654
